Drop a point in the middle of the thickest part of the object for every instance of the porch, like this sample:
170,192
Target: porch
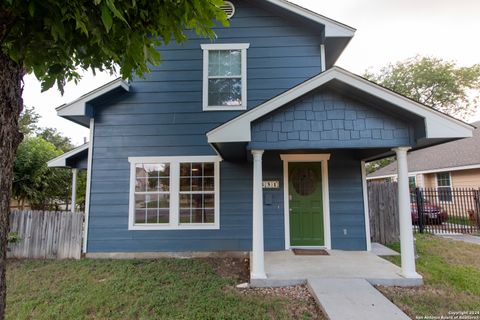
323,131
284,268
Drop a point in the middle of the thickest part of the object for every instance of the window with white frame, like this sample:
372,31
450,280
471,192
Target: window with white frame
444,187
412,182
225,76
174,193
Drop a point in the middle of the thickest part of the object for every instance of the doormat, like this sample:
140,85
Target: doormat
310,252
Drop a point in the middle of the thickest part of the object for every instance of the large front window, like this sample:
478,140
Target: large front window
224,76
174,193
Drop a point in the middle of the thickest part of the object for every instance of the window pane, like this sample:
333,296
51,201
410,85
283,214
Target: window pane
151,200
152,216
208,169
197,216
184,184
208,201
141,184
197,201
185,201
140,216
225,63
208,184
225,92
196,170
185,216
152,184
209,216
196,184
163,201
140,201
185,169
163,216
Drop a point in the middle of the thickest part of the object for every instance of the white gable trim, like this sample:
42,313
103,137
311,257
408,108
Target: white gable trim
332,28
437,124
61,161
78,106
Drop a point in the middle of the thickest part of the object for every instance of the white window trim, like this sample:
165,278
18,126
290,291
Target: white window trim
438,187
174,223
414,178
225,46
323,159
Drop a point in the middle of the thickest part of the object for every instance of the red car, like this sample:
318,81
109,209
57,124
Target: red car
433,214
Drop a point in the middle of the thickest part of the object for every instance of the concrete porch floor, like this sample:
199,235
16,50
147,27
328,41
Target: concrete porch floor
284,268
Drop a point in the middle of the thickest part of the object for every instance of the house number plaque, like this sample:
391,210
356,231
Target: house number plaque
271,184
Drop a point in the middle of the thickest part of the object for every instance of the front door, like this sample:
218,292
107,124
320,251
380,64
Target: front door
306,204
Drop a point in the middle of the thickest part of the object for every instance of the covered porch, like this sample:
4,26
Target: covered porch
76,160
284,268
330,126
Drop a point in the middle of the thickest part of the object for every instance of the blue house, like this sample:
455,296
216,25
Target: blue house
253,142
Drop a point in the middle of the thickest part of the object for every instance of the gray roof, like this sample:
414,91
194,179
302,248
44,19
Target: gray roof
459,153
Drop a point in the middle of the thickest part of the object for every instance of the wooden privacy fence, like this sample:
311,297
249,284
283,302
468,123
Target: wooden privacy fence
382,203
46,235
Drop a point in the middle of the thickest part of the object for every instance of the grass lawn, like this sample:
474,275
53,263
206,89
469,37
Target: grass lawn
460,220
451,271
140,289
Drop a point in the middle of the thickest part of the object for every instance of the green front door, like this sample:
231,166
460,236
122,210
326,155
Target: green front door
306,203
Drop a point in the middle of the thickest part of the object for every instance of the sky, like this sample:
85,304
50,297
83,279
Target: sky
387,31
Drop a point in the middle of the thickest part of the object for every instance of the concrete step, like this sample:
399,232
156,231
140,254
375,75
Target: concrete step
351,299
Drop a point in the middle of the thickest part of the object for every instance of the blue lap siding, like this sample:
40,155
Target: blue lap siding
162,116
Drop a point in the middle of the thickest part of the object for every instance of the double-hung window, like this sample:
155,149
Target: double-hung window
225,76
174,193
444,187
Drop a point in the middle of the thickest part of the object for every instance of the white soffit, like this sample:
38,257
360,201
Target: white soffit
437,124
61,161
78,106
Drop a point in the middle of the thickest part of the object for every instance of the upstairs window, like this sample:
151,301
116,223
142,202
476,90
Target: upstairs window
225,76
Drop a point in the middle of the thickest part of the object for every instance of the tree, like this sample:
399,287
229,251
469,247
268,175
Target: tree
33,180
56,138
434,82
28,121
54,39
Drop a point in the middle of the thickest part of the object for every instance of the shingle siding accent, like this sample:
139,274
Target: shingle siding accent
346,123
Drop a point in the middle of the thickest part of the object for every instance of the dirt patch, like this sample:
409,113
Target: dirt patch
233,268
301,301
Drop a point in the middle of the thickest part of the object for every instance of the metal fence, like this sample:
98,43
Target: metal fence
446,210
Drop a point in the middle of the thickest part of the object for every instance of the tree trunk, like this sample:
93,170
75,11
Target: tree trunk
11,103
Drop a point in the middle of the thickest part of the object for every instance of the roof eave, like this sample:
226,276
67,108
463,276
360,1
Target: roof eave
332,28
61,161
437,124
78,107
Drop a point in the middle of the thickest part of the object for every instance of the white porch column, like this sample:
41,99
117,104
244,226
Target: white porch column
74,188
406,231
258,265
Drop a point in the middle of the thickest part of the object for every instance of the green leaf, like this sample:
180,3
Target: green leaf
106,18
31,8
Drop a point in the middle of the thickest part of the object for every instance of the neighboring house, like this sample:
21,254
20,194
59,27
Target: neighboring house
450,165
178,159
